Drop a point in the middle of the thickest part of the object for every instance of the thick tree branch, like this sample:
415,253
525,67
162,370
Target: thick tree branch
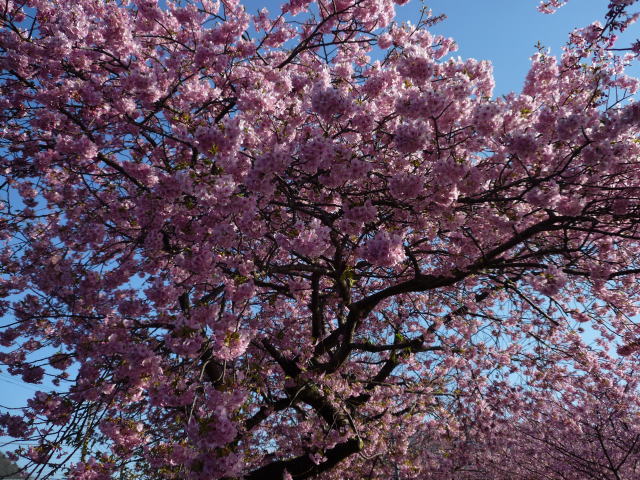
303,466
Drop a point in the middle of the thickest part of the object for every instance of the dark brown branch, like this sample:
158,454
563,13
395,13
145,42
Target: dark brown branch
303,467
227,108
310,394
307,392
317,323
265,411
288,366
416,345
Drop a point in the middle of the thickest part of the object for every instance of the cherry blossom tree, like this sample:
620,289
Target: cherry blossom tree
311,244
563,425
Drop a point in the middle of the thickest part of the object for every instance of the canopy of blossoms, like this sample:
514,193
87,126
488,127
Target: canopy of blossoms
310,243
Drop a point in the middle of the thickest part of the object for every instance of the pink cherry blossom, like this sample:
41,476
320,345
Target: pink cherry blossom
310,243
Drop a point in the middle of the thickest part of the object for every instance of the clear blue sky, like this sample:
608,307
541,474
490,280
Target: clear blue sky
502,31
505,31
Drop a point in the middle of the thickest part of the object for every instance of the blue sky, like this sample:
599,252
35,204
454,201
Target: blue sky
502,31
505,31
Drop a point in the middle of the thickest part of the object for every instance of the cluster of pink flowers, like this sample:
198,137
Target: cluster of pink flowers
384,249
272,256
328,101
126,436
418,65
409,137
